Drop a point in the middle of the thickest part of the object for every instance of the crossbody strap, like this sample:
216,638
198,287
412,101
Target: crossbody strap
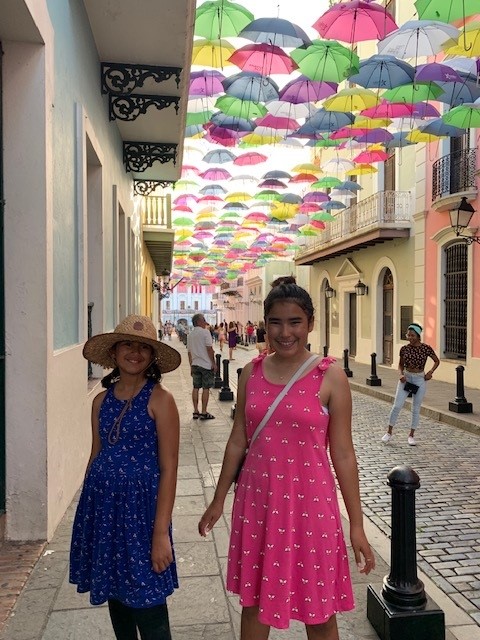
280,396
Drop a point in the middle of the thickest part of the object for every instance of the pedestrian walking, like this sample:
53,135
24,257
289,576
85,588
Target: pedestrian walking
232,339
222,336
122,548
411,369
287,558
202,365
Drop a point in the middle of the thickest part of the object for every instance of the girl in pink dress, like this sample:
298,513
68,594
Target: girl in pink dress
287,558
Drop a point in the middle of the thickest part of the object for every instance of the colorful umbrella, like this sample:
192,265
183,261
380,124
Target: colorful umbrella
376,135
197,118
438,127
263,58
327,182
361,169
206,83
219,18
418,38
302,89
413,92
383,72
455,93
272,183
219,156
389,110
446,10
352,100
238,196
326,61
277,31
223,136
283,109
324,120
212,53
234,123
367,157
436,72
215,173
350,185
354,21
278,122
249,85
399,140
250,158
240,108
303,178
465,116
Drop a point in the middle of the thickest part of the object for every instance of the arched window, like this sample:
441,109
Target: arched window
455,328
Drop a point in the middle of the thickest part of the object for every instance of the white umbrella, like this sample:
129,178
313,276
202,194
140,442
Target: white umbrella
418,38
337,164
283,109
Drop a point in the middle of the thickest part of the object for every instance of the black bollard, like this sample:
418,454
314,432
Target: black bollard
325,351
309,346
400,609
232,411
225,393
460,404
348,372
374,380
217,383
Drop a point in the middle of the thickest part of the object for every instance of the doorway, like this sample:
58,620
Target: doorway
387,318
352,325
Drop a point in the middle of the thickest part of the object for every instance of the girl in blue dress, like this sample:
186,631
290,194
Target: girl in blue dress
122,549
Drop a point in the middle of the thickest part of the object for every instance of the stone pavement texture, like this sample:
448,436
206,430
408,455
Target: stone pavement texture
447,460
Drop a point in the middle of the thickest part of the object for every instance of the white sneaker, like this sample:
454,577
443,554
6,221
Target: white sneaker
411,441
387,437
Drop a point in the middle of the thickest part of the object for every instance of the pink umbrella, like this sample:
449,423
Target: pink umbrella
375,135
316,196
276,122
389,110
250,158
309,207
263,58
371,156
302,89
354,21
348,132
206,83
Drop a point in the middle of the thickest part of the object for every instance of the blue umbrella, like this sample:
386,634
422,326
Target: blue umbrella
324,120
349,185
235,123
455,93
383,72
213,190
280,175
291,198
251,86
219,156
276,31
193,130
438,127
399,140
333,204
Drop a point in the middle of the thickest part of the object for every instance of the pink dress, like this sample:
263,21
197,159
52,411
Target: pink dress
287,551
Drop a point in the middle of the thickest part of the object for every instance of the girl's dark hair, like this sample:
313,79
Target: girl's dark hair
286,288
152,373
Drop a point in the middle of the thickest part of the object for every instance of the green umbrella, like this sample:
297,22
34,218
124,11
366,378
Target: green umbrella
413,92
446,10
327,182
247,109
465,116
268,194
221,18
183,222
198,118
326,61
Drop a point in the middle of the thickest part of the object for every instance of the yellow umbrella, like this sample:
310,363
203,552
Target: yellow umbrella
284,210
238,196
182,234
420,136
351,100
468,44
361,170
253,140
306,167
212,53
362,122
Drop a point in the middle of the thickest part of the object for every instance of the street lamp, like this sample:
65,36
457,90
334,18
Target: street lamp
329,291
460,219
361,289
163,285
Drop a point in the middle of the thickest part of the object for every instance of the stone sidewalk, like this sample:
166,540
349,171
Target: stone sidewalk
50,609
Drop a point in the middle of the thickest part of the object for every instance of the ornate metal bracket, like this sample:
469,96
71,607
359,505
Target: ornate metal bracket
125,78
146,187
129,107
139,156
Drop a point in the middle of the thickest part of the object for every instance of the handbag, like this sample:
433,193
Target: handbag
411,388
272,408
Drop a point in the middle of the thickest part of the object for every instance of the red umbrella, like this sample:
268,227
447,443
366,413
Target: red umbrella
354,21
303,177
263,58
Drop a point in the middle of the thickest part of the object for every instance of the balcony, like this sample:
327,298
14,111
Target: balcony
158,234
453,177
382,217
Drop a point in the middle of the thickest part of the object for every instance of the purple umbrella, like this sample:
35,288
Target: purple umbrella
424,110
435,72
374,136
272,183
302,89
316,196
206,83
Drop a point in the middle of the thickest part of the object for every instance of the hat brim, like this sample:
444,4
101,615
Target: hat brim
98,349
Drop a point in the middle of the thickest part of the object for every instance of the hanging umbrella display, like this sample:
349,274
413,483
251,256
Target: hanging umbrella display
223,136
276,174
277,31
234,123
277,122
455,93
239,107
324,120
199,118
220,18
263,58
249,85
303,178
367,157
212,53
399,140
389,110
374,136
465,116
446,10
201,104
354,99
183,221
413,92
418,38
306,166
219,156
337,164
355,21
194,130
250,158
438,127
361,170
272,183
326,61
333,205
215,173
238,196
416,136
213,190
257,140
303,89
207,82
327,182
383,72
436,72
283,109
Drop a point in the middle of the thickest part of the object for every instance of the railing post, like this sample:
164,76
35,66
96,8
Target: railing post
373,380
346,368
234,406
325,351
225,393
217,383
401,609
460,404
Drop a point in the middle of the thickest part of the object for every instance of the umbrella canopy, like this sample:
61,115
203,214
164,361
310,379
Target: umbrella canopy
326,61
240,108
283,109
436,72
220,18
367,157
438,127
303,89
213,190
383,72
418,38
324,120
276,174
250,158
219,156
354,21
399,140
352,100
374,136
263,58
389,110
413,92
465,116
235,123
277,31
446,10
455,93
212,53
249,85
206,83
361,169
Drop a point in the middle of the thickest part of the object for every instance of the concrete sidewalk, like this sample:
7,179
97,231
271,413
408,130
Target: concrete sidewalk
49,608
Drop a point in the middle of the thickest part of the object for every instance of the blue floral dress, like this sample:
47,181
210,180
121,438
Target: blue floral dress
113,526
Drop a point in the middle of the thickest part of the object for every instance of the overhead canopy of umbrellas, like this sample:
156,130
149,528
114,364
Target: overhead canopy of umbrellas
267,96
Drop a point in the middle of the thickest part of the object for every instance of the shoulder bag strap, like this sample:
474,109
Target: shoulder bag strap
280,396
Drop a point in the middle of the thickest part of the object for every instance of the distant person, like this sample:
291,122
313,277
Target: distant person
222,336
122,549
232,339
261,336
411,369
202,365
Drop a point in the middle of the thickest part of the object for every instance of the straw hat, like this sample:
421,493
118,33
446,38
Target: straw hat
98,349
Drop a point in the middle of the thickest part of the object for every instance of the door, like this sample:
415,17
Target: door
389,187
2,316
326,324
388,318
352,341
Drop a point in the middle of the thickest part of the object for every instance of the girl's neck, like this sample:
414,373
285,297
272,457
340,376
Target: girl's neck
130,384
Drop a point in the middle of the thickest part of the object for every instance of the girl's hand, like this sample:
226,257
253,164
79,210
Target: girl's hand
428,376
162,554
209,518
362,548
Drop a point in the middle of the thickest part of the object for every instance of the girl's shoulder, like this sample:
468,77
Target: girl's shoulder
326,362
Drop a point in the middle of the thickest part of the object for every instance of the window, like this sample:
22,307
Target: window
455,327
182,305
406,318
195,305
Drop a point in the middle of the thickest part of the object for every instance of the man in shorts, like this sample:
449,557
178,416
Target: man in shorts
202,365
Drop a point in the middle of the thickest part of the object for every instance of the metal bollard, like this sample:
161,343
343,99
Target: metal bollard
217,383
232,411
348,372
325,351
225,393
373,380
400,609
460,404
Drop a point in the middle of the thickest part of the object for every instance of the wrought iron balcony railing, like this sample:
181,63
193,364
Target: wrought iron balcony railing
386,209
157,211
454,173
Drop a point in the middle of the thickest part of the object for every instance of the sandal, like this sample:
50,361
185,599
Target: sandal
196,415
206,416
